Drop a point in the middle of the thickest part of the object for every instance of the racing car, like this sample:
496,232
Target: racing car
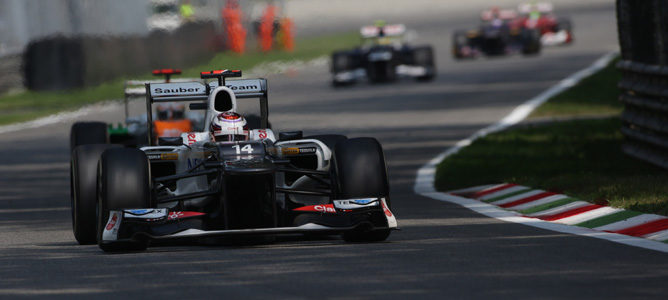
171,119
553,30
248,183
498,34
383,57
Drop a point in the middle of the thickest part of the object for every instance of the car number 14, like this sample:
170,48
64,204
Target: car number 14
246,148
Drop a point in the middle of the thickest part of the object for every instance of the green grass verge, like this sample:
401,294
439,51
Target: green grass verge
30,105
594,95
580,158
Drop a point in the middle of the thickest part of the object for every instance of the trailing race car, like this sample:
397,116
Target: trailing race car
498,34
231,180
553,30
171,119
384,56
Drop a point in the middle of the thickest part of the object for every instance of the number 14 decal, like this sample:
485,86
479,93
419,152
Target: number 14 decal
247,148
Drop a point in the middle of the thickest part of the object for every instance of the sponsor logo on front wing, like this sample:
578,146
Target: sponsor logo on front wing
356,203
322,208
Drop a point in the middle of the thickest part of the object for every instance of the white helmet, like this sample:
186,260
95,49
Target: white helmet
228,126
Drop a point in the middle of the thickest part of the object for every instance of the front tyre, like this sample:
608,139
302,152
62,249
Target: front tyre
83,188
360,171
123,183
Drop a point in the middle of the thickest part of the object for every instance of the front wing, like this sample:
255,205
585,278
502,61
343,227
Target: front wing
162,224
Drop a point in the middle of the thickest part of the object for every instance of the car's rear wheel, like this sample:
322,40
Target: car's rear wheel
530,41
360,171
123,183
83,190
85,133
342,61
424,57
459,41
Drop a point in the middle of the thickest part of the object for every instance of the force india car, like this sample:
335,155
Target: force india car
384,56
190,187
171,119
498,34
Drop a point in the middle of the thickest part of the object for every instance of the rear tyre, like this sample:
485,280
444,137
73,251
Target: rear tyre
530,42
83,191
565,24
424,57
459,41
341,61
360,171
123,183
85,133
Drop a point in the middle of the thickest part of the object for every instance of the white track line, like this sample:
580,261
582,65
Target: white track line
424,181
60,117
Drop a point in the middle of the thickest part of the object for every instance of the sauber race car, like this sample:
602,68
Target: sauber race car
553,30
498,34
384,56
221,183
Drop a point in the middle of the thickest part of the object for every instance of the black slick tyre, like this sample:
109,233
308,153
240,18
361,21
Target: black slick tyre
424,57
83,190
85,133
360,171
123,183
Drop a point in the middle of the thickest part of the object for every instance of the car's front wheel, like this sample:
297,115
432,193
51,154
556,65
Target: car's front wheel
360,171
83,188
123,183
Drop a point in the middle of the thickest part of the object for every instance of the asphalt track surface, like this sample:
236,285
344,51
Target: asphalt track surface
442,251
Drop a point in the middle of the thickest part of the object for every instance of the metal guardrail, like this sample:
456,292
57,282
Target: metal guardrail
643,39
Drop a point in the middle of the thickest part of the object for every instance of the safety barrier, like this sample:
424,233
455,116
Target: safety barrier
643,39
58,63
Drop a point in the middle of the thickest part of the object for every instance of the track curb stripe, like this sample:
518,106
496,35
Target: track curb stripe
549,205
645,229
514,198
528,199
492,190
612,218
539,202
424,181
504,193
570,213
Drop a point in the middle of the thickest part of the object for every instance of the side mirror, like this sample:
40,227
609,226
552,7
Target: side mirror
198,106
290,135
170,141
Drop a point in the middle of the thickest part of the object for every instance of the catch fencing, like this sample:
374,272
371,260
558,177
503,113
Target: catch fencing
643,39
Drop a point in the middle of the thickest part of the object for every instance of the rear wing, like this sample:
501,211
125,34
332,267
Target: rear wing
543,7
194,91
135,88
504,14
387,30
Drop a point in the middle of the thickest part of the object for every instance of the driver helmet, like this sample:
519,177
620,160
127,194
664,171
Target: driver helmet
228,127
